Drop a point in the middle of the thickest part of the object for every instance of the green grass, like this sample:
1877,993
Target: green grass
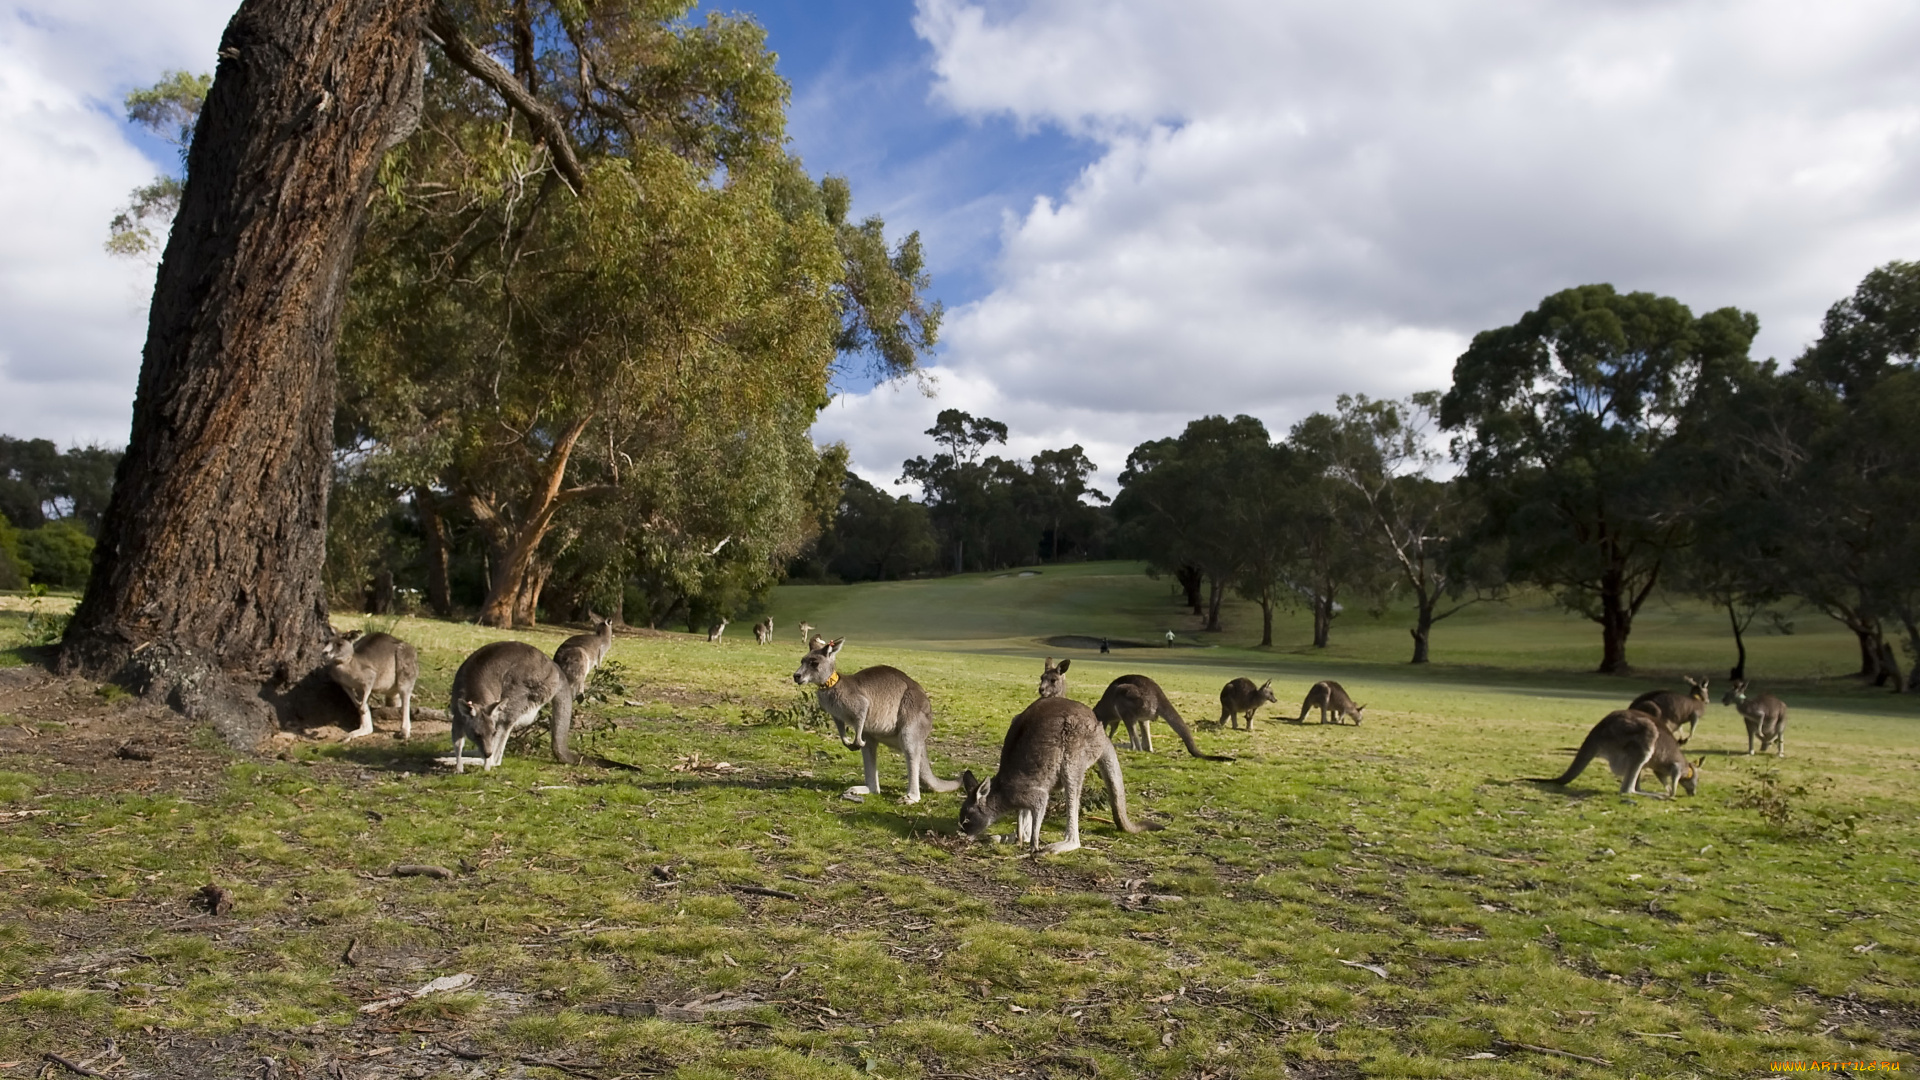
1766,919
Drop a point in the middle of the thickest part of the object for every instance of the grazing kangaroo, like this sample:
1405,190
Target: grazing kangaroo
499,690
714,631
1675,709
1766,718
1134,700
1632,741
1330,697
580,654
1050,746
883,707
763,631
374,664
1242,697
1053,681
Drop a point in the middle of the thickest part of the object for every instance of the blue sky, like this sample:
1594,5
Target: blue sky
1143,211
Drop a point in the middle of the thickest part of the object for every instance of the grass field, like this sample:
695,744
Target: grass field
1383,900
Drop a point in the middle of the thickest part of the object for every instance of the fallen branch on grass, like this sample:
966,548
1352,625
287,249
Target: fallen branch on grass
421,870
437,986
1555,1053
679,1014
761,890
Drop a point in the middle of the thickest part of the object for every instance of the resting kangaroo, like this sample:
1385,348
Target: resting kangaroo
581,653
1330,696
1632,741
883,707
1053,681
1675,709
1134,700
374,664
1241,697
1049,746
1766,718
499,690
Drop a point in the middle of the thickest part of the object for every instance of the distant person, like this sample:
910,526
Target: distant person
1104,647
1169,639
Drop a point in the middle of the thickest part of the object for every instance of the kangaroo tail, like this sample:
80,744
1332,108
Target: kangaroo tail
928,780
1580,762
1109,766
1167,712
562,727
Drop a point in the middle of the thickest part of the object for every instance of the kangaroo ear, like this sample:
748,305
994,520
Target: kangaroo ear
967,782
1062,669
353,635
1266,684
833,646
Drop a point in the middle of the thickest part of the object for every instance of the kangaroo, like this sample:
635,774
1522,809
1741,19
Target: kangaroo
806,633
763,631
374,664
883,707
580,654
1053,681
1049,746
499,690
1242,697
714,631
1766,718
1632,741
1330,697
1674,709
1134,700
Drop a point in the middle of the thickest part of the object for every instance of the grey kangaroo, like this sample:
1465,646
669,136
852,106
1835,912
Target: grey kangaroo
1632,741
1766,718
1050,746
374,664
763,631
1674,709
580,654
1134,700
1240,697
499,690
883,707
1330,697
1053,680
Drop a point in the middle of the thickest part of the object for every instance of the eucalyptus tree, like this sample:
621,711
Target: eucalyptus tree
169,109
1564,417
1419,525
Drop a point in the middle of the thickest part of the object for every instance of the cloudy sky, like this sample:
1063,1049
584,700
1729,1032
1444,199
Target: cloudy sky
1143,211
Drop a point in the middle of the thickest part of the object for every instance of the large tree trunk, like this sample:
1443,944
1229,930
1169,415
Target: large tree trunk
1215,594
1615,624
1422,630
1266,620
516,542
210,553
1739,671
433,528
1322,620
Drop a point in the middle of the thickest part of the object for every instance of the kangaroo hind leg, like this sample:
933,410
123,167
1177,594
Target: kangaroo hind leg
1072,842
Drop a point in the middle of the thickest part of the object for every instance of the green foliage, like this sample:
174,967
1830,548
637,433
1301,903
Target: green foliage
39,482
803,712
607,685
169,108
44,625
14,571
60,553
1783,804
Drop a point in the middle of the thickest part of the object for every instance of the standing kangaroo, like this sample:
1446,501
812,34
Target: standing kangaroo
1134,700
1053,680
1330,697
1632,741
499,690
714,631
1766,718
1049,746
883,707
580,654
806,633
374,664
1674,709
763,631
1242,697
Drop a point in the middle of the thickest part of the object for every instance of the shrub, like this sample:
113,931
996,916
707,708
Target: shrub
59,553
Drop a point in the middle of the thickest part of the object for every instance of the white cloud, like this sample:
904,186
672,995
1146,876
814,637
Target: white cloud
72,318
1291,200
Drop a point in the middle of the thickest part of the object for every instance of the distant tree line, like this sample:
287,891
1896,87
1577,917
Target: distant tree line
1603,446
50,506
978,512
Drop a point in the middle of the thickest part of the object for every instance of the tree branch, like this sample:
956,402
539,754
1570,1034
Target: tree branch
446,33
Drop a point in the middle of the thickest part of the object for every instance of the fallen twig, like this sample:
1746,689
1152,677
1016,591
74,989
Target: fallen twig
1555,1053
421,870
72,1067
440,985
761,890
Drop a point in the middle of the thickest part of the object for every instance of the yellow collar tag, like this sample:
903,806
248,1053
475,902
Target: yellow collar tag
831,680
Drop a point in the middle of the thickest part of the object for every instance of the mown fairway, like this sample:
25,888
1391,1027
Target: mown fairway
1768,919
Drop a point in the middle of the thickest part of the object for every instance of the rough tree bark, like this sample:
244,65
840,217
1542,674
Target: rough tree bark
1190,578
515,533
433,528
211,549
